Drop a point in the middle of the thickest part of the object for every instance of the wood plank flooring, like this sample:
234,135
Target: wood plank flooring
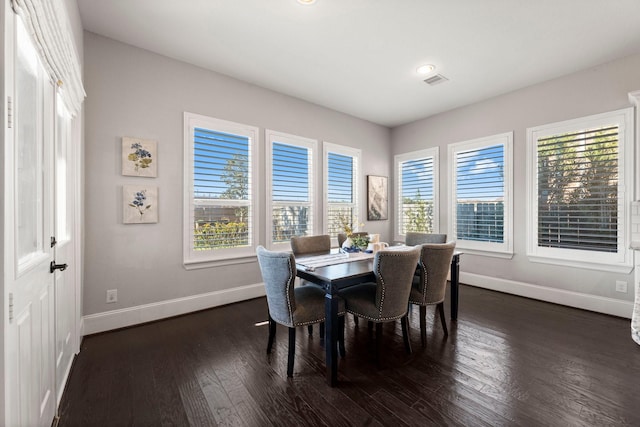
508,361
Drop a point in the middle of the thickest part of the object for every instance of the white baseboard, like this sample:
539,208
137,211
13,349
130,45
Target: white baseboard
595,303
115,319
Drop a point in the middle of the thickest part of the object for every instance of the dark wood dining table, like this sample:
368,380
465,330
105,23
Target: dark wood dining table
335,277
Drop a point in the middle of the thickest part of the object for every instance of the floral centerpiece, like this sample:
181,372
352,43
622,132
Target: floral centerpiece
353,243
360,242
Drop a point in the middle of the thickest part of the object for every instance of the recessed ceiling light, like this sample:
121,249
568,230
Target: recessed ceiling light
306,2
425,69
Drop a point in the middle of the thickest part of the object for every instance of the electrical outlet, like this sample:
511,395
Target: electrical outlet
621,286
112,296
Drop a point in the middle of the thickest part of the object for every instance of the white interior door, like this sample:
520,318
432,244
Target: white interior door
30,339
64,285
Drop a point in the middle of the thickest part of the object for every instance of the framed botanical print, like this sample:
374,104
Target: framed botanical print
139,157
139,204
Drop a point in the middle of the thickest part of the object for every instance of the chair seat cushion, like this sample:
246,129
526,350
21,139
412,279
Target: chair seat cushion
361,301
310,303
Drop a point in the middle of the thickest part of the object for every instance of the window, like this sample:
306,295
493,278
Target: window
341,170
416,177
63,217
579,182
290,181
33,134
480,195
220,200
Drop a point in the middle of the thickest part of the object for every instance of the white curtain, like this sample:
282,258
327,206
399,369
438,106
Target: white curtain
48,23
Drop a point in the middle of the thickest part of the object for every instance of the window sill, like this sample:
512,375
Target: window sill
218,262
612,268
492,254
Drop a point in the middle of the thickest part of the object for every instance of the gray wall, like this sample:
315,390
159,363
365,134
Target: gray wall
132,92
600,89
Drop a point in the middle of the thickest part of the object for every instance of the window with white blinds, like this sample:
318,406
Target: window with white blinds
220,199
578,184
416,177
341,188
481,171
290,184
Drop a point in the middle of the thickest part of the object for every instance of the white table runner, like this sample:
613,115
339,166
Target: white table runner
313,262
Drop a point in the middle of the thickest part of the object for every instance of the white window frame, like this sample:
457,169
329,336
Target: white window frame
202,259
397,173
622,260
494,249
272,137
356,154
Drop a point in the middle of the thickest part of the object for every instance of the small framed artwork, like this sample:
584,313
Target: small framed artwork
140,204
377,198
139,157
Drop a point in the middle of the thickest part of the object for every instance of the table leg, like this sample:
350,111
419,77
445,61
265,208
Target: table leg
331,338
455,278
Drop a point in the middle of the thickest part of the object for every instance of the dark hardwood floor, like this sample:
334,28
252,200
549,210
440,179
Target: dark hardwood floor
507,361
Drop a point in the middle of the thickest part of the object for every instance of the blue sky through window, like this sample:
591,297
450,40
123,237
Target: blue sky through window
340,185
480,174
290,176
417,179
212,152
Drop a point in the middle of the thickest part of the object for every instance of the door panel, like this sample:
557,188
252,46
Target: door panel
30,337
24,324
63,250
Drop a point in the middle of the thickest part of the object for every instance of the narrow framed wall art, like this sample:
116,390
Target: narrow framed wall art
377,198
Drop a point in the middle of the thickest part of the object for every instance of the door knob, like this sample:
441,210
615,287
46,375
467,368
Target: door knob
53,267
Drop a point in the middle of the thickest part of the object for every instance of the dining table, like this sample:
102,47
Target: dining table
335,271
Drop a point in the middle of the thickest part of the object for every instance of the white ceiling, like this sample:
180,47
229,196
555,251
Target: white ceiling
359,56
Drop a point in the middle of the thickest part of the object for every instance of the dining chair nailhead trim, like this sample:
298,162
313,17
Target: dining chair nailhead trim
289,282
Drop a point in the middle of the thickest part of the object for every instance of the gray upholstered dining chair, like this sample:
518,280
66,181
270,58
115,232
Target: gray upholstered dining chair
414,238
387,299
292,306
304,245
307,245
342,237
429,287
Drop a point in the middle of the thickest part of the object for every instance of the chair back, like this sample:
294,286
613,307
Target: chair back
435,260
302,245
342,237
414,238
278,275
394,271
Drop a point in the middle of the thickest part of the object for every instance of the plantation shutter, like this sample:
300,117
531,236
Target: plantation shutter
578,190
416,199
221,189
342,170
480,194
291,191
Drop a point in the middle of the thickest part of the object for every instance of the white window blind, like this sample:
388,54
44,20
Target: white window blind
290,184
416,176
578,190
580,184
341,188
481,177
220,202
221,190
480,194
